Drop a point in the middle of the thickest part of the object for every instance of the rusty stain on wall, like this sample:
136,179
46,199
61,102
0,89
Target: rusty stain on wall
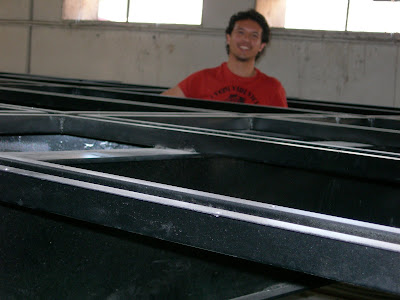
171,48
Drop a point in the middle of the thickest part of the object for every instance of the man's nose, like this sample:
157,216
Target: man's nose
246,36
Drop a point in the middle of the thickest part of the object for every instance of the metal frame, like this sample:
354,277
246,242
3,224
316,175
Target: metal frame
118,90
324,208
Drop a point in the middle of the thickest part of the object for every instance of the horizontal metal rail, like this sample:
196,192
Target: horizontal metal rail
307,189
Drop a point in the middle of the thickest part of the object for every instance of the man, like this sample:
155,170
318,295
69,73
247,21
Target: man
237,80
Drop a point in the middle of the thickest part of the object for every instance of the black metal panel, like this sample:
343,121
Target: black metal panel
315,193
361,109
380,137
118,90
340,249
96,101
14,77
78,103
282,152
79,260
295,127
326,193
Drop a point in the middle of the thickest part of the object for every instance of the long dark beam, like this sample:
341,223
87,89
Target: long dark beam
362,109
124,91
75,259
373,121
15,77
132,101
277,151
139,95
340,249
284,152
330,131
63,102
45,86
293,127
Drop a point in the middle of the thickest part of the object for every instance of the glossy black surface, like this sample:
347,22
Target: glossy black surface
44,143
45,256
306,190
295,188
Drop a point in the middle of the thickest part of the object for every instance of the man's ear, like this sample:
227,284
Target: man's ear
262,46
228,38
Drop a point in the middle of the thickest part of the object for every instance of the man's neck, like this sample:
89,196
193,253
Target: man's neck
241,68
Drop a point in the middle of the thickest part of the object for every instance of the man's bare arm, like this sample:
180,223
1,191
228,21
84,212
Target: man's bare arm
175,92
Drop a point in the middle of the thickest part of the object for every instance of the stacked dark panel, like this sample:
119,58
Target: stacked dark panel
111,190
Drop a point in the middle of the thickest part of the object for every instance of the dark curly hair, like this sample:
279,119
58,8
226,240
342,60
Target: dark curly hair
250,14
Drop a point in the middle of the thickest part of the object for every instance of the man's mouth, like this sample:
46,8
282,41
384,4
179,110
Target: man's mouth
243,47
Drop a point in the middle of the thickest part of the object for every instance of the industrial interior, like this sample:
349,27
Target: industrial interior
111,190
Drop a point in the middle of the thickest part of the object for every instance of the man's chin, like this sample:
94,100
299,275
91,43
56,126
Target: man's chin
243,59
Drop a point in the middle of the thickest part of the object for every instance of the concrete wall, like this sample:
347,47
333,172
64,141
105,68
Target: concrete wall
340,67
360,70
14,48
15,9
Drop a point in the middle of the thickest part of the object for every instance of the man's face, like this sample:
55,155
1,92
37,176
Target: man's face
245,40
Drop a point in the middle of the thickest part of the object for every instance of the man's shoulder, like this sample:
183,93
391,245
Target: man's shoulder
199,80
206,73
270,79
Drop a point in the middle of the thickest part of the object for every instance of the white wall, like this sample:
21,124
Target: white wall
47,10
355,68
13,48
337,69
140,57
15,9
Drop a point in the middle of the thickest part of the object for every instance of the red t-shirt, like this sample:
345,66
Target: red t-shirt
221,84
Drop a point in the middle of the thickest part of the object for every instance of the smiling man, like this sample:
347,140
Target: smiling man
237,80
